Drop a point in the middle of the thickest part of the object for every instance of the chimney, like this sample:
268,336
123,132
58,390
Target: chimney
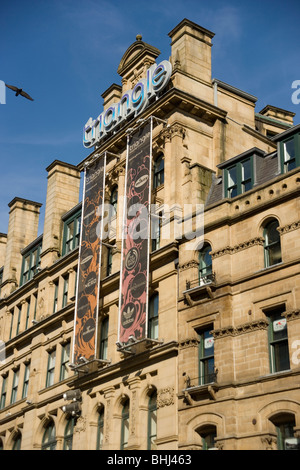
3,240
62,195
22,230
191,50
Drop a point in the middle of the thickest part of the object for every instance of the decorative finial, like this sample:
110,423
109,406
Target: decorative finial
138,37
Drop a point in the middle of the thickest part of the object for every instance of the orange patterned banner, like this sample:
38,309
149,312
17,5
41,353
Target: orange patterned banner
88,278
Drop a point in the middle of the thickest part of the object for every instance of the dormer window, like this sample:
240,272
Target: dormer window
31,261
238,178
289,149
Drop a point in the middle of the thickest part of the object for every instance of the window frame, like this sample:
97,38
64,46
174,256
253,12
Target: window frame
153,316
204,374
239,177
100,430
267,244
65,360
282,151
49,437
32,254
26,380
158,171
273,342
51,368
15,386
125,424
152,411
103,345
75,239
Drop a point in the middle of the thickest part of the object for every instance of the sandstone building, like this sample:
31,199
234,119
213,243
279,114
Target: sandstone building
223,369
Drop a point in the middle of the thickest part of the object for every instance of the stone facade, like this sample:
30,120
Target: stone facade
244,394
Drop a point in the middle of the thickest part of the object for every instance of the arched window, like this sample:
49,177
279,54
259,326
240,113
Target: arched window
125,425
205,263
158,179
49,437
17,442
152,421
284,424
100,431
272,246
68,436
208,436
153,317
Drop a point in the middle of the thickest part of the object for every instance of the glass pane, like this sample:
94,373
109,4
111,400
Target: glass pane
289,150
205,262
246,170
208,345
274,254
281,356
232,177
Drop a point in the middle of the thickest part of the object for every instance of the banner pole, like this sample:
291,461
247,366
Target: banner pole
123,235
149,227
100,257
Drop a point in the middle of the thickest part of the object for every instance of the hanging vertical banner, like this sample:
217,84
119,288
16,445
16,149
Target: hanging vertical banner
134,274
88,275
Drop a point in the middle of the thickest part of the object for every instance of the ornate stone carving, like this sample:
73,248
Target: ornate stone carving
165,397
227,250
240,329
80,425
289,227
291,315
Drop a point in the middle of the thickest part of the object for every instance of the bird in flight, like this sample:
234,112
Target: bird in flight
19,91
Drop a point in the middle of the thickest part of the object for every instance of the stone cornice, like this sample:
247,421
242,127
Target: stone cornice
227,250
289,227
240,329
291,315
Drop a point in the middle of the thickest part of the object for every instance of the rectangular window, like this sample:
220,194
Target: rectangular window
31,263
278,341
27,314
50,368
19,319
15,385
65,291
289,150
104,338
11,323
1,278
71,233
206,358
55,300
238,178
26,381
3,392
65,359
109,262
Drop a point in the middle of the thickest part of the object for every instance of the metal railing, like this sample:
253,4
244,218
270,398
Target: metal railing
200,381
201,281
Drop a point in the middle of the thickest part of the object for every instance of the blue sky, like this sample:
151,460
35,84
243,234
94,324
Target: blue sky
65,54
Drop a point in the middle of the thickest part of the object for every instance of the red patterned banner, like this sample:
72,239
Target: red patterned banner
88,276
133,302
